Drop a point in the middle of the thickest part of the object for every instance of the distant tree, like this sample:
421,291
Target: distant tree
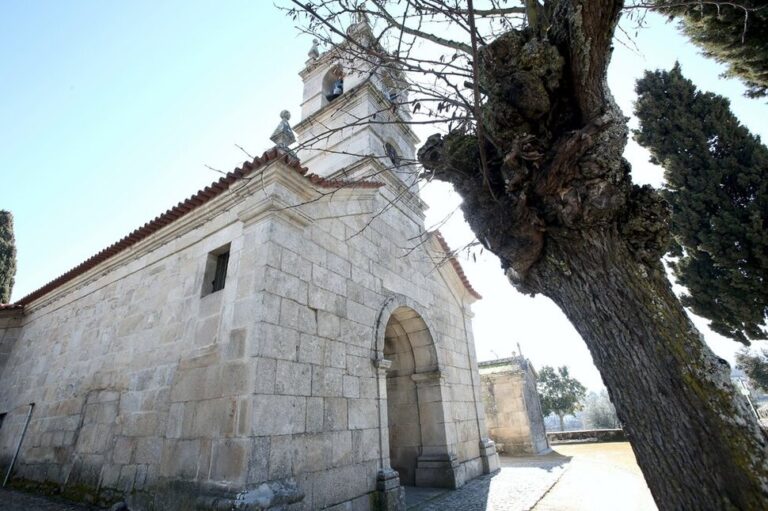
733,33
559,393
716,175
755,366
599,412
7,256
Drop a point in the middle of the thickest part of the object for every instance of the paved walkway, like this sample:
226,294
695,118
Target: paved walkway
600,477
584,477
518,486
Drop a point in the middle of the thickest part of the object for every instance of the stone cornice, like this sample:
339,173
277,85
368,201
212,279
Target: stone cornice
446,259
381,172
272,204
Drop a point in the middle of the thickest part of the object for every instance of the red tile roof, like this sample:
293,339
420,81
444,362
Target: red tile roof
204,196
182,208
456,265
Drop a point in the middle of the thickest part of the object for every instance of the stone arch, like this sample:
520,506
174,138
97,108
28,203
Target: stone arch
414,425
336,72
403,303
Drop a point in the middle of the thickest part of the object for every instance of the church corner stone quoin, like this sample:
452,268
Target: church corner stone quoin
282,339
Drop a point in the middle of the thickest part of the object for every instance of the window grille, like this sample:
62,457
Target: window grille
220,276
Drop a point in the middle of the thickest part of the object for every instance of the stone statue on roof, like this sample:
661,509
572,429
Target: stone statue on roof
314,52
283,135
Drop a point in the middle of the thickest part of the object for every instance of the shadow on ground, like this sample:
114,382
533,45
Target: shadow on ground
518,486
11,500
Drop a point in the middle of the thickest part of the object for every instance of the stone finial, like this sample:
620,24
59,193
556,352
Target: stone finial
360,30
314,52
361,15
283,135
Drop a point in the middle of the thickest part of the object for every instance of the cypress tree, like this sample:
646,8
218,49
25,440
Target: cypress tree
716,175
755,366
733,34
7,256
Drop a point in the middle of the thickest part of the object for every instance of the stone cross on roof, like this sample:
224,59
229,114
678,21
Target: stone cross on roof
360,29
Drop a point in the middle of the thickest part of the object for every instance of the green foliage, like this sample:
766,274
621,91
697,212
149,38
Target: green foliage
599,412
716,175
732,34
755,367
559,393
7,256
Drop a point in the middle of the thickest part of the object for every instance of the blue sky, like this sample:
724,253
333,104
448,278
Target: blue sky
109,112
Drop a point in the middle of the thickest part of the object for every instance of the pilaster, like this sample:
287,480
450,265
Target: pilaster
489,456
437,466
391,494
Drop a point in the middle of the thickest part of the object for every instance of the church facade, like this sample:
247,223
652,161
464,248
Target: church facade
290,337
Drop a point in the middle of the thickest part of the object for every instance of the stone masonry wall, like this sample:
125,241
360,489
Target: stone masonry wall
512,407
145,388
334,277
10,329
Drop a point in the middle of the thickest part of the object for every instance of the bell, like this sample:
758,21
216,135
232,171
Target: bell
338,90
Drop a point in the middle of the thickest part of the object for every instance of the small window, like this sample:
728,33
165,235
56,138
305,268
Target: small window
216,270
2,418
222,261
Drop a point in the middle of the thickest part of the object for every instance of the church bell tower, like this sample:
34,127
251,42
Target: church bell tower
355,115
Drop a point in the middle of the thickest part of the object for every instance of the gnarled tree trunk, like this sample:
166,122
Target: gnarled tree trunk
555,202
695,438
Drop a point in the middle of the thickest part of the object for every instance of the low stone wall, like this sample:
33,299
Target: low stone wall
586,435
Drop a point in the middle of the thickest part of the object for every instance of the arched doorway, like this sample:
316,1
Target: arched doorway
418,444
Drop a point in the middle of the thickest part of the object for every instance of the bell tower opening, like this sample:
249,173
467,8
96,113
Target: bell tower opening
333,84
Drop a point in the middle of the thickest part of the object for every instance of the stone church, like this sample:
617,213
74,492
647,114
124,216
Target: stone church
290,337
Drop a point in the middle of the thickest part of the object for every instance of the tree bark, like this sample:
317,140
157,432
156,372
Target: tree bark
557,205
562,422
693,436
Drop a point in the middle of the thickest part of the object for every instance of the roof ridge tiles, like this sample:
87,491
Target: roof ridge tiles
182,208
455,263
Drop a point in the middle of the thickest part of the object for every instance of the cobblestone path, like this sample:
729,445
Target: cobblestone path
518,486
589,477
598,477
